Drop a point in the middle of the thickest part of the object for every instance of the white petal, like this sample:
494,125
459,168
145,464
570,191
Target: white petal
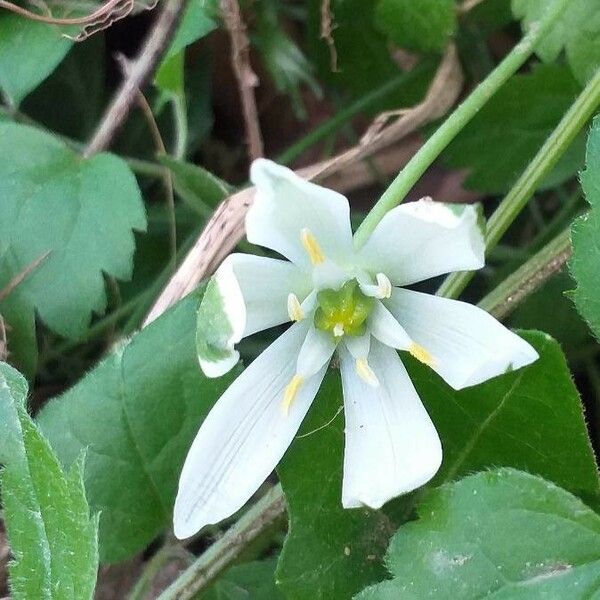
392,446
316,352
285,205
243,437
247,294
468,345
358,346
386,329
423,239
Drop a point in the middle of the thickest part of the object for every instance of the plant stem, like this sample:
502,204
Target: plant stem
547,157
422,160
220,555
342,116
529,277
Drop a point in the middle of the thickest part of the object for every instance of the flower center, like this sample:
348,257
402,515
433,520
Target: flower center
344,311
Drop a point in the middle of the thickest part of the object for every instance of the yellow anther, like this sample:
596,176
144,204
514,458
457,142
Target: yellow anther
295,311
421,354
365,372
309,241
384,285
338,330
290,393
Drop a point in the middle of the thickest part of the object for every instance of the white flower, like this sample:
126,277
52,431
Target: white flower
343,300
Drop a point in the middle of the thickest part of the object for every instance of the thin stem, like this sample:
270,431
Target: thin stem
181,126
545,160
140,71
453,125
207,566
166,177
342,116
529,277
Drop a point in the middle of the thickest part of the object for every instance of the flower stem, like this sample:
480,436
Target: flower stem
224,551
452,126
529,277
547,157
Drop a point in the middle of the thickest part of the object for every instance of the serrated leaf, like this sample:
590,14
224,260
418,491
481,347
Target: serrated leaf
249,581
505,135
577,31
521,419
423,26
503,534
585,233
136,414
80,211
29,52
52,537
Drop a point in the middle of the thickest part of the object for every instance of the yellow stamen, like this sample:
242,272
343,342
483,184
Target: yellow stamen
294,308
290,393
385,285
309,241
421,354
338,330
365,372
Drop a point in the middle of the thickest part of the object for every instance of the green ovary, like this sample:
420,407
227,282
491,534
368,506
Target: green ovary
343,311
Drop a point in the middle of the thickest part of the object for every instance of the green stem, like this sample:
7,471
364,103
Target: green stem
545,160
452,126
529,277
343,116
221,554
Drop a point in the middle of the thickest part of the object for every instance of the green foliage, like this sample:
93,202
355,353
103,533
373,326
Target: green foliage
505,534
512,127
52,537
521,420
577,32
78,212
585,233
195,24
423,26
29,52
248,581
199,188
136,414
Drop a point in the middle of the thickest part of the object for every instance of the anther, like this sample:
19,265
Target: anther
366,373
309,241
421,354
290,393
338,330
294,308
384,285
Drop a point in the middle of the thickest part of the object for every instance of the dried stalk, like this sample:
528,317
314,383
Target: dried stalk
246,78
141,69
226,227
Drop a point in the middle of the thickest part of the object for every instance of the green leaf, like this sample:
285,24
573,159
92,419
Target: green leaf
503,534
423,26
248,581
29,52
194,25
512,127
520,419
81,211
52,537
136,414
199,188
585,233
577,32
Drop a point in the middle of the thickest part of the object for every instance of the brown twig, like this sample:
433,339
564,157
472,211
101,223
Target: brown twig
246,78
141,69
327,27
226,227
159,145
